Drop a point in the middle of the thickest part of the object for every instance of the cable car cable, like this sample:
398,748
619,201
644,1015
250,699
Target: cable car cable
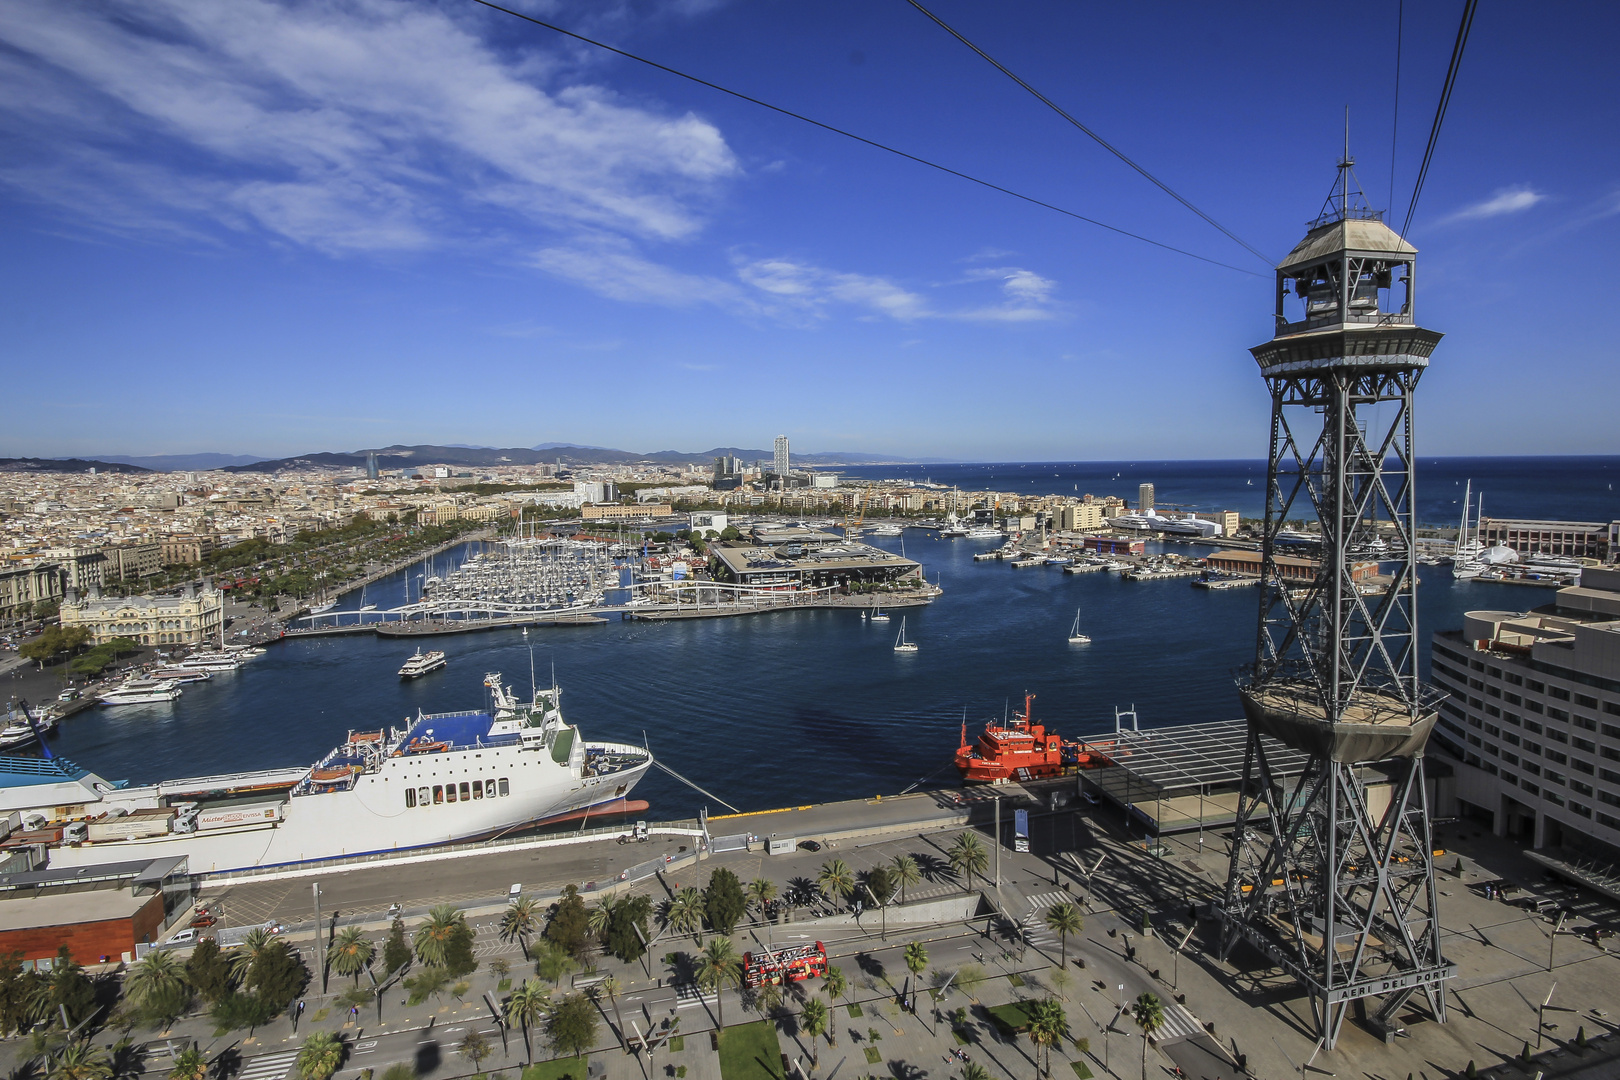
861,138
1104,143
1440,111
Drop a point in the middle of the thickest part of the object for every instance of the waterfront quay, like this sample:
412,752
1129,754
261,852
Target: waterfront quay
1223,1019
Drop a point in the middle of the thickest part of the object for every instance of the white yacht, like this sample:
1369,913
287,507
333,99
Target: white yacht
183,674
420,663
900,643
1075,636
142,692
984,532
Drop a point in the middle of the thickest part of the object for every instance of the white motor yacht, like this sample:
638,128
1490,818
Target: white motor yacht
142,692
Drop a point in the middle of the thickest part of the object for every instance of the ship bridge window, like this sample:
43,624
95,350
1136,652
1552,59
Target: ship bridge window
502,787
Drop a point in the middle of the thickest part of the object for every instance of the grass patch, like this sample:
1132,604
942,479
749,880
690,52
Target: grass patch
873,1055
750,1052
504,985
680,1072
854,1009
1012,1018
677,1044
1081,1070
961,1039
558,1069
320,1015
1016,979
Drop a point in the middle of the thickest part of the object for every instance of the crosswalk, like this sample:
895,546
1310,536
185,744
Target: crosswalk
1037,905
1179,1023
688,996
268,1066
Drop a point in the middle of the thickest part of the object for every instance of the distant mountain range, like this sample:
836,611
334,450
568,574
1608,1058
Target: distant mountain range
186,462
404,457
67,465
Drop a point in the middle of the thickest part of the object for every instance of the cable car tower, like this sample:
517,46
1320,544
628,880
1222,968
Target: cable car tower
1335,881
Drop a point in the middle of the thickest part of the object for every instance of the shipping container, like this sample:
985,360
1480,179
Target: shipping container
153,821
224,817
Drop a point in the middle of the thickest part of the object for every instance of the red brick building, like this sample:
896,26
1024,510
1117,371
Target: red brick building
100,913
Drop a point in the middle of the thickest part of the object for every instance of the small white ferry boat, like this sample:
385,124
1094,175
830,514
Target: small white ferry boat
421,663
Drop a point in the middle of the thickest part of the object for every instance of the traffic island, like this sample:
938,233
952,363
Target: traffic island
748,1052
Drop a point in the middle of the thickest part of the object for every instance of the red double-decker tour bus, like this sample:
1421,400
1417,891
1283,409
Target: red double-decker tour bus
793,963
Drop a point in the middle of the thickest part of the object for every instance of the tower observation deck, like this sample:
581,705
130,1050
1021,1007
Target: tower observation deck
1338,893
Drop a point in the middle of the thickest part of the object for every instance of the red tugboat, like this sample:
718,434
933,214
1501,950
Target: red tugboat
1019,751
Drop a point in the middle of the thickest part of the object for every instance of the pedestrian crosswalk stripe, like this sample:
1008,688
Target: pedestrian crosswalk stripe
268,1066
1045,900
1179,1023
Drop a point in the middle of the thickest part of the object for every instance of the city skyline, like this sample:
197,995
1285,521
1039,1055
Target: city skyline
282,230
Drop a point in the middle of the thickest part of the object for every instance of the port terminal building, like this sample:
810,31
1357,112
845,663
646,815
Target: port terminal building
796,558
1188,778
1567,539
1289,567
103,914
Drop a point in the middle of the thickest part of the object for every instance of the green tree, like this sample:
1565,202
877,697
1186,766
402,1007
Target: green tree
968,858
627,932
189,1064
1148,1013
761,891
429,981
569,925
1047,1028
683,912
598,918
273,971
553,963
475,1048
881,884
66,987
208,971
18,992
320,1056
974,1071
351,953
520,922
80,1061
916,957
445,940
835,986
1064,919
906,873
157,973
526,1007
718,966
813,1022
571,1027
723,901
836,879
396,954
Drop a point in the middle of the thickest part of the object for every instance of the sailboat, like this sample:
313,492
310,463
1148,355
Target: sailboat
363,605
900,643
878,615
1075,636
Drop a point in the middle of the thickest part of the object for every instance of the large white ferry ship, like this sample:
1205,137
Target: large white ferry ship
443,778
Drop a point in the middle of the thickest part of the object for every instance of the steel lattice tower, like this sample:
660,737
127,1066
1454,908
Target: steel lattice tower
1333,885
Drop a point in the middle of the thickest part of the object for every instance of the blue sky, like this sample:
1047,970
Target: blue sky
269,228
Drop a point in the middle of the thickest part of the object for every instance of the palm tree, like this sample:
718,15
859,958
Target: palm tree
599,918
80,1061
189,1064
1064,919
974,1071
258,944
813,1021
833,982
320,1056
434,938
761,891
836,879
684,912
906,872
1047,1026
967,857
520,921
1148,1012
610,986
767,999
160,973
718,968
351,953
527,1007
916,958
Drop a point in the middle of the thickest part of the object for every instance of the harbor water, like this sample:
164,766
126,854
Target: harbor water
764,711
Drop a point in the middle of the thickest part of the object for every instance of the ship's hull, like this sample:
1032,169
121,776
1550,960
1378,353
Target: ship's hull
372,817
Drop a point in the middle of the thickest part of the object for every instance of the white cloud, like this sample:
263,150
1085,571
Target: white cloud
345,125
614,269
1028,295
1506,201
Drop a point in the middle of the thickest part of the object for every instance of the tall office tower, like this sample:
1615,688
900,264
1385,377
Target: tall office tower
371,466
781,455
1335,885
1144,498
